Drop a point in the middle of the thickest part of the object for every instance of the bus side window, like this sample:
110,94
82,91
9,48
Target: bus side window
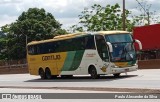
60,46
70,43
89,42
33,49
55,46
78,44
50,47
30,50
39,47
81,42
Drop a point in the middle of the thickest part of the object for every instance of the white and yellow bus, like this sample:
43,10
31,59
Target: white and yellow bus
99,53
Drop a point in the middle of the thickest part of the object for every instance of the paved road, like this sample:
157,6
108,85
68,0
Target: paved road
25,83
147,79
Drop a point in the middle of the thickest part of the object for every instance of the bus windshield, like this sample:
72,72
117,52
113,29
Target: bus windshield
123,47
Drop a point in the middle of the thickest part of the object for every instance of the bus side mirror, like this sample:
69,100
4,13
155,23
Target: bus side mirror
110,47
139,43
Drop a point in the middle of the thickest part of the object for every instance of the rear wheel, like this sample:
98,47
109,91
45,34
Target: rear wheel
42,73
93,72
117,75
48,73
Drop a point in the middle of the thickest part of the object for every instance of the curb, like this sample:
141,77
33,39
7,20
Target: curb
132,90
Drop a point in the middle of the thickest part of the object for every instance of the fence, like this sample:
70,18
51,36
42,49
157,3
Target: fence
13,67
13,62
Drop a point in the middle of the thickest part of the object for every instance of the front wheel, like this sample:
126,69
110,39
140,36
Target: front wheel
93,73
117,75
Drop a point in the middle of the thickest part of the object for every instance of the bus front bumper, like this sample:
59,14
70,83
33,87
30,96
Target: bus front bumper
124,69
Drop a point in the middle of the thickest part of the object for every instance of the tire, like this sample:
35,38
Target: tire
93,73
42,74
48,73
117,75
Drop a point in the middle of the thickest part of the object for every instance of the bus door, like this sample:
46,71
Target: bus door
103,52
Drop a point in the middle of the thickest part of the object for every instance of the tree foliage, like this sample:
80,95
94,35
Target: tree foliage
105,18
2,45
35,24
147,15
76,28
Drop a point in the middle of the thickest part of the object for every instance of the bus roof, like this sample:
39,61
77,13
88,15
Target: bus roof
69,35
112,32
59,37
73,35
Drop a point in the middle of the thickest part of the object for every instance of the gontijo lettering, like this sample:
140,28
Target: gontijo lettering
51,57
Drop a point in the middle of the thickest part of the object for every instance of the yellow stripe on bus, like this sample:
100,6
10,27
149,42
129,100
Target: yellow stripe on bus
53,61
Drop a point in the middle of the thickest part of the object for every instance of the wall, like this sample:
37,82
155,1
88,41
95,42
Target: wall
149,64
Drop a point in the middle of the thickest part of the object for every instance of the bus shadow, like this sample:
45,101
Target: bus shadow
82,79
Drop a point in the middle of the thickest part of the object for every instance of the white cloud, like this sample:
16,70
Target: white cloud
5,19
65,11
68,22
10,1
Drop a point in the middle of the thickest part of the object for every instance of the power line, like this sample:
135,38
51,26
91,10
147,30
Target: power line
147,12
141,6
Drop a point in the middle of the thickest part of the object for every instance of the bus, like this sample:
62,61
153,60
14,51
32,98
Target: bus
83,53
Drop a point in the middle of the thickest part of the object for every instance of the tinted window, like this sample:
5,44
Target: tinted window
79,43
119,38
89,42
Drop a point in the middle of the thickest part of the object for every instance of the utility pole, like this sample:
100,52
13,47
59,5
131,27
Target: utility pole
148,17
124,16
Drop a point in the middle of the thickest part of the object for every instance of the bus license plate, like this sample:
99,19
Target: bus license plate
126,70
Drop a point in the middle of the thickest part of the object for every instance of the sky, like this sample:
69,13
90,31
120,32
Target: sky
64,11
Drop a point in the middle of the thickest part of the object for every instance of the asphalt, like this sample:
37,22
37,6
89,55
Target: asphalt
141,81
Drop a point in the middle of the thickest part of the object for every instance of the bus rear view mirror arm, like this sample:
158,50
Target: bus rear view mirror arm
110,47
139,43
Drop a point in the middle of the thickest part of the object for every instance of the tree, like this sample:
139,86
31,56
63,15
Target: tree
147,16
3,53
99,18
75,28
35,24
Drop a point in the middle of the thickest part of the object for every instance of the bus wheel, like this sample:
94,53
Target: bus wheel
42,74
117,75
93,72
48,73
